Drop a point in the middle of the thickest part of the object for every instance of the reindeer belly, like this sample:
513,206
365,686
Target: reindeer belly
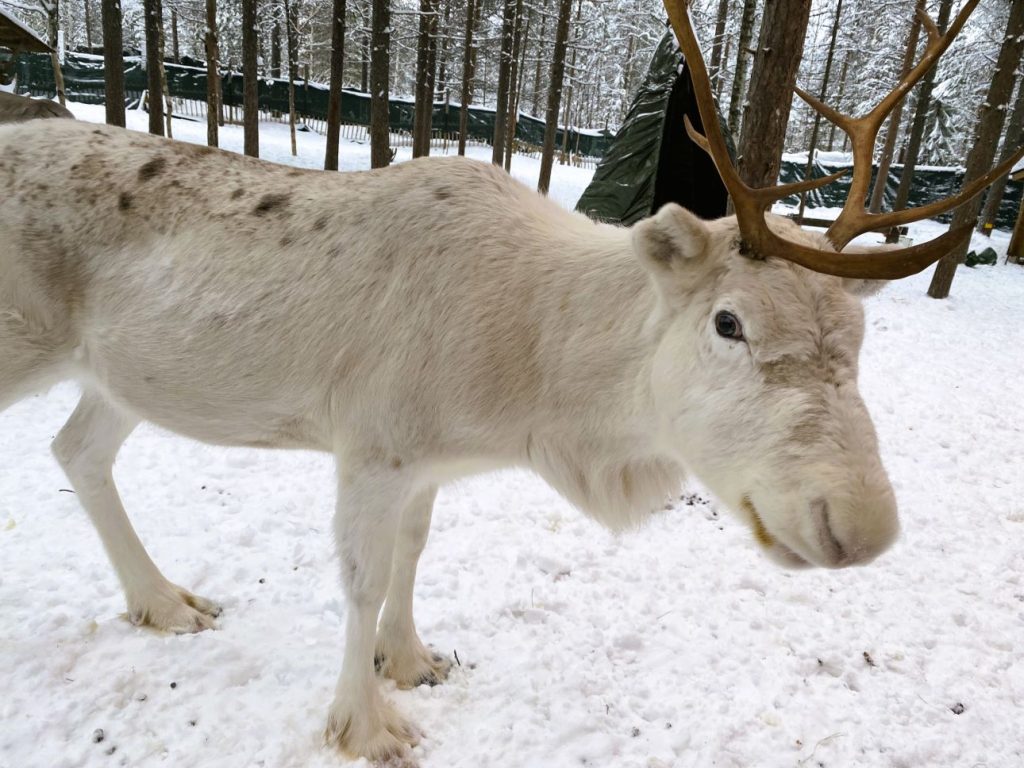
229,386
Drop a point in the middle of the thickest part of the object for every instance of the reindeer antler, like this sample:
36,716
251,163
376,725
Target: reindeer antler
751,203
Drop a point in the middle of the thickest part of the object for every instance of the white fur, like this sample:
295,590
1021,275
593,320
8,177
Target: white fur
420,323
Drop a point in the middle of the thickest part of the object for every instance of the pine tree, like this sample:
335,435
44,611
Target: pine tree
250,83
337,77
774,73
554,95
380,66
113,62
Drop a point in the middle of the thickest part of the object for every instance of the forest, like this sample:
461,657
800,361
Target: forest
608,47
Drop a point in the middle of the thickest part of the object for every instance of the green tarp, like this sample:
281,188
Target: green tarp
83,82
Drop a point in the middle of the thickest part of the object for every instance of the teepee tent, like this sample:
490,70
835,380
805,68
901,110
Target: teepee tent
652,161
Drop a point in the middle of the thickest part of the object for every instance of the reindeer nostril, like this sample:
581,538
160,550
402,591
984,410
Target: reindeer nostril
830,545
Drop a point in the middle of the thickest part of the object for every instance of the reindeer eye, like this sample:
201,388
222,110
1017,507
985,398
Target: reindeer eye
728,326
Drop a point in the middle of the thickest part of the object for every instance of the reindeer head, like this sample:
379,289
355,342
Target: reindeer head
761,323
757,366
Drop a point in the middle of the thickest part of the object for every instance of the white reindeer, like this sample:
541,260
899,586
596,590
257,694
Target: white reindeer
422,323
17,109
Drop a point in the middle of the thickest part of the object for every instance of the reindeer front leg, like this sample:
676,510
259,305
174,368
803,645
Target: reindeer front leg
400,654
86,448
362,723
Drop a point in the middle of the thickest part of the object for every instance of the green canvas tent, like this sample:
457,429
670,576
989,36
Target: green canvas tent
652,161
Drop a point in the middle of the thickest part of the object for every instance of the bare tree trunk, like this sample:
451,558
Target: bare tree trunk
504,68
816,123
1015,250
88,25
337,77
380,64
921,110
113,62
468,70
567,120
153,19
1012,139
628,64
715,67
53,29
427,125
513,96
895,118
168,99
365,77
423,107
174,36
839,99
250,94
442,86
740,75
275,49
291,15
991,118
771,83
540,44
554,95
212,75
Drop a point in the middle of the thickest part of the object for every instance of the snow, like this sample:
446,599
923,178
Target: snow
676,645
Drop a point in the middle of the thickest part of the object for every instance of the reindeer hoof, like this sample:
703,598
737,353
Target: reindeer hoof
173,609
377,733
419,666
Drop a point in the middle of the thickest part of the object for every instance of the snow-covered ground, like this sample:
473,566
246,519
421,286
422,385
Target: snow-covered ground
676,645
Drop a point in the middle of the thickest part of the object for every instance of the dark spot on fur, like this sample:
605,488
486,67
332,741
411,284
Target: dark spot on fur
271,202
174,183
237,193
152,168
320,223
124,202
396,463
442,194
98,132
286,241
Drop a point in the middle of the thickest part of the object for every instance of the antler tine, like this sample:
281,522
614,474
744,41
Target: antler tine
863,131
696,136
832,115
895,218
768,194
928,23
771,194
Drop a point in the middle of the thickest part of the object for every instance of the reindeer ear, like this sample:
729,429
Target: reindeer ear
668,239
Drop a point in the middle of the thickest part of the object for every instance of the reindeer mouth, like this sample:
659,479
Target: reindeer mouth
757,524
778,551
